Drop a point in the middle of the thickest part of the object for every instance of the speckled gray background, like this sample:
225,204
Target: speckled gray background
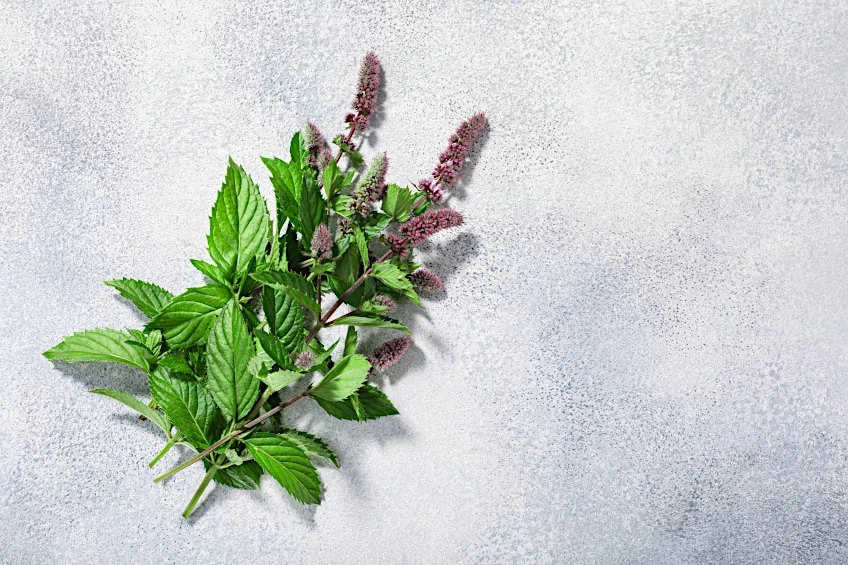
642,354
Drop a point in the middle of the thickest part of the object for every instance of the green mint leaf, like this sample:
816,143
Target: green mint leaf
352,154
376,224
395,279
245,476
132,402
210,271
371,321
310,444
397,202
280,379
188,405
331,178
229,351
298,153
350,341
371,403
187,319
286,193
261,363
147,297
276,349
343,205
312,208
348,269
292,285
103,345
343,379
361,244
284,460
284,317
238,227
176,363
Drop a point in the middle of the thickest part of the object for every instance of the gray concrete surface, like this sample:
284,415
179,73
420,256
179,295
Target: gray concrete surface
642,355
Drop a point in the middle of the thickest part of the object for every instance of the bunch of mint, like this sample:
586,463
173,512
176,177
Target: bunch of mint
221,359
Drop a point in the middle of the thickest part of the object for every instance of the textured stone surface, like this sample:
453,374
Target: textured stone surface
642,354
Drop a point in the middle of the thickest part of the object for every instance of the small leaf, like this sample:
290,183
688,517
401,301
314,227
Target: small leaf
371,321
311,444
312,206
292,285
148,297
132,402
188,405
284,460
371,404
186,321
229,351
331,178
176,363
343,379
397,202
352,154
245,476
211,271
100,345
275,349
376,224
238,227
284,316
350,341
395,279
281,379
359,237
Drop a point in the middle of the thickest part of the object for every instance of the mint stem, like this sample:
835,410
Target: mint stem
199,492
171,442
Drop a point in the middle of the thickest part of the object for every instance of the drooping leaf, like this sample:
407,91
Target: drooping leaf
292,285
148,297
371,404
281,379
395,279
284,460
397,202
229,351
103,345
187,319
238,227
343,379
188,405
371,321
350,341
310,444
245,476
132,402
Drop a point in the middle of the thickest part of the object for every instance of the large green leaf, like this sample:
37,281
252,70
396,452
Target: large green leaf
188,405
395,279
371,403
227,356
397,202
371,321
312,208
343,379
288,205
284,316
186,321
132,402
148,297
245,476
238,227
291,285
100,345
284,460
310,444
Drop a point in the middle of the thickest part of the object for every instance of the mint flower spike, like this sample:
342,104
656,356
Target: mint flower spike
319,153
453,158
424,280
417,229
322,242
305,360
366,93
389,353
372,186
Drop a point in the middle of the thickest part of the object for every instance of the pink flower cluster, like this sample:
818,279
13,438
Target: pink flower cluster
322,243
366,92
372,186
305,360
453,158
382,300
389,353
419,228
422,279
319,153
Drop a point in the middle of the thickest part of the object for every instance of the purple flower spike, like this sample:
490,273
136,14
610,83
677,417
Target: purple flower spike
322,243
305,360
319,153
389,353
366,92
422,279
453,158
382,300
421,227
431,189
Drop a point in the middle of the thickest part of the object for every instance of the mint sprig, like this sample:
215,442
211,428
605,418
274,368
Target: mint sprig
223,360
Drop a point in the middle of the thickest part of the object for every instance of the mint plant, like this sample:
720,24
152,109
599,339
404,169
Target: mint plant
223,359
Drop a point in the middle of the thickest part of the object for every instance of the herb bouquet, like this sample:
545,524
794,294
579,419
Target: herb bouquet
221,358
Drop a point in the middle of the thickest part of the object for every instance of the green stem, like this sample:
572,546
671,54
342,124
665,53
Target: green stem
199,492
171,442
